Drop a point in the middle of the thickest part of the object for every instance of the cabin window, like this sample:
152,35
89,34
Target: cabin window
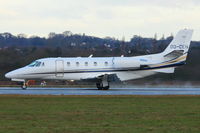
106,63
95,63
86,63
77,63
68,63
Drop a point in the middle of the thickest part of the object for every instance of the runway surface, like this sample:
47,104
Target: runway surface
94,91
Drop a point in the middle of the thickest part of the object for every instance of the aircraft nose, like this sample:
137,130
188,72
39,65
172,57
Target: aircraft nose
15,74
9,75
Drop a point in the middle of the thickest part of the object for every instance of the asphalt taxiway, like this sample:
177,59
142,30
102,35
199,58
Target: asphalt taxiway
94,91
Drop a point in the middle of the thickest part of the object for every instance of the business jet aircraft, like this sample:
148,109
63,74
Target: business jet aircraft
101,69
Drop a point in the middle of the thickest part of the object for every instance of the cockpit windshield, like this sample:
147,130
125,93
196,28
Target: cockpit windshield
36,64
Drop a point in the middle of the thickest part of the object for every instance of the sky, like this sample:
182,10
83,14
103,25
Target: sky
101,18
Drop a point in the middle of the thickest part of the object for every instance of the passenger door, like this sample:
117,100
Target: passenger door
59,68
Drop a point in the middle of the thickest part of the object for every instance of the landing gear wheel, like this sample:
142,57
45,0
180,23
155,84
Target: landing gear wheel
24,86
100,86
106,88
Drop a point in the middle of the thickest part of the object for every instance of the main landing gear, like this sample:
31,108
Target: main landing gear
101,87
103,84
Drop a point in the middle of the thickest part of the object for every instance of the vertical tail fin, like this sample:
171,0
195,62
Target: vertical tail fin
176,53
180,44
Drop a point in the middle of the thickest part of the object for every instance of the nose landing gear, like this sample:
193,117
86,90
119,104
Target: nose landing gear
24,85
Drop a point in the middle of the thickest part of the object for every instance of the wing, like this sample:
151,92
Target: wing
110,78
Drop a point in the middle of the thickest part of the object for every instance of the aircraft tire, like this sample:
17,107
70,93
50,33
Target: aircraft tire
24,86
99,86
106,88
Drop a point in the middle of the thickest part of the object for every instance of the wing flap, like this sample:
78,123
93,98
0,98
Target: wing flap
165,70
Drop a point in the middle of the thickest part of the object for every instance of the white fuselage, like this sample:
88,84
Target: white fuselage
126,68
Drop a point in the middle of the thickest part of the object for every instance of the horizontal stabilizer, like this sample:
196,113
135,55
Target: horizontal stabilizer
165,70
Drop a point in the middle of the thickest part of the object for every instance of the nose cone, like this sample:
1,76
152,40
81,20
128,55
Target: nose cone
12,74
9,75
16,74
